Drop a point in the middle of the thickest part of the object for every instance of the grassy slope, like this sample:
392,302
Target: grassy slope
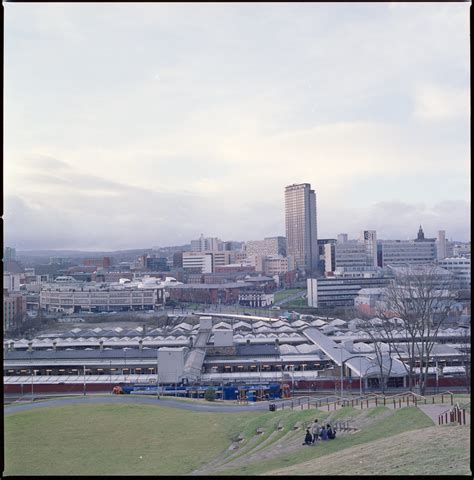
445,450
282,294
109,439
402,420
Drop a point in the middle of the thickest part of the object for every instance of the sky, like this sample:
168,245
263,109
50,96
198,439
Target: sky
140,125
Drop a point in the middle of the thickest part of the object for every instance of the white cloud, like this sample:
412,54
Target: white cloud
442,103
357,100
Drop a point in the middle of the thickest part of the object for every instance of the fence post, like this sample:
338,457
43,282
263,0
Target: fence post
433,400
464,416
335,406
384,401
376,401
400,403
425,400
442,398
416,402
446,418
452,399
292,404
394,404
367,403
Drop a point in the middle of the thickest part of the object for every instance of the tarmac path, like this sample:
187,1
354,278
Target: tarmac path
13,408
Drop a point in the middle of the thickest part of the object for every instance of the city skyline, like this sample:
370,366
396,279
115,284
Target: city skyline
151,124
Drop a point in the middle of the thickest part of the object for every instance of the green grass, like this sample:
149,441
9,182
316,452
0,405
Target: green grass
109,439
446,454
297,303
282,294
373,412
410,418
344,412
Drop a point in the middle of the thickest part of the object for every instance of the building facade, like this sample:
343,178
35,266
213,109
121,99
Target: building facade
101,297
408,252
197,262
301,227
9,253
460,267
266,247
14,308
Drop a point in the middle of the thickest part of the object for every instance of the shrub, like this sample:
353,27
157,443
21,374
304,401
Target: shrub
210,394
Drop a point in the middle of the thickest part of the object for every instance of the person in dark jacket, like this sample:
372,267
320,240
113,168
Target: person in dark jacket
308,439
331,432
324,433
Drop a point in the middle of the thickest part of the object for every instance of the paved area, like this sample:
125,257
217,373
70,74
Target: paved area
433,411
137,400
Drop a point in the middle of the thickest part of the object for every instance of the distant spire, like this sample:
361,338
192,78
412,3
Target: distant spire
421,235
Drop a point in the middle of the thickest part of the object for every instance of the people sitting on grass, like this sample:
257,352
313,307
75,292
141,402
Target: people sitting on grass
308,439
315,429
323,433
331,432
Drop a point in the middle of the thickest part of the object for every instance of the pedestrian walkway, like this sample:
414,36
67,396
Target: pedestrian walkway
433,411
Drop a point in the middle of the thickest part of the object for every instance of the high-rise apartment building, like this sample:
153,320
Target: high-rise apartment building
9,253
301,227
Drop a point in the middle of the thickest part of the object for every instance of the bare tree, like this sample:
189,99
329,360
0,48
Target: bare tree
382,349
465,349
414,307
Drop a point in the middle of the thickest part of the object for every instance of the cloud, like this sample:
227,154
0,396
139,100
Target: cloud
365,102
400,220
440,104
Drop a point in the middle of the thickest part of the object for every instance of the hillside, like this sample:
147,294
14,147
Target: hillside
429,451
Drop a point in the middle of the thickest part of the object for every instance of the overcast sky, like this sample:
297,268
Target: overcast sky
139,125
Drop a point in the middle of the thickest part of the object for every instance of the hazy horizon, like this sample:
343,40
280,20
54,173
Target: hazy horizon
149,124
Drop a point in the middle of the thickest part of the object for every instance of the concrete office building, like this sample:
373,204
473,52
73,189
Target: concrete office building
461,250
202,244
408,252
352,254
14,308
342,238
70,296
9,253
197,262
266,247
11,281
460,267
369,239
441,245
339,292
301,227
276,265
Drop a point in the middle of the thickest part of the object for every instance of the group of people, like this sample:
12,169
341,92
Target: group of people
319,432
